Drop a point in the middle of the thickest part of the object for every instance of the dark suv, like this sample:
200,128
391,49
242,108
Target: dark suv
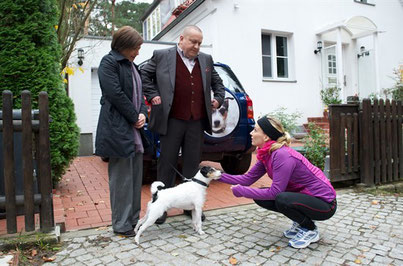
230,142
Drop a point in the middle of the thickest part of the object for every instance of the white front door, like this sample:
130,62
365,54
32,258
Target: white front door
329,67
366,75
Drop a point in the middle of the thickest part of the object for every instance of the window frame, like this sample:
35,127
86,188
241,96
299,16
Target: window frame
274,56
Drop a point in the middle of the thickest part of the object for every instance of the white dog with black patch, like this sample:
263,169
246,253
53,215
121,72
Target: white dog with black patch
187,196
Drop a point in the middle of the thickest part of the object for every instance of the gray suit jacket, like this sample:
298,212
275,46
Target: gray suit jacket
158,77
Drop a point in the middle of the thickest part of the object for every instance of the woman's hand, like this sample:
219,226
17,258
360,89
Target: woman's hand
156,100
236,190
140,122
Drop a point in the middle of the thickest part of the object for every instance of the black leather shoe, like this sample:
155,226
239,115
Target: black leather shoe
162,219
129,233
189,213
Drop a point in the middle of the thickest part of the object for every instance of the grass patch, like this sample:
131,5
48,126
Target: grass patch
30,249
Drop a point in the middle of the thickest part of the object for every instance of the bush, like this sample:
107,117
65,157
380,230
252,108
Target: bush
29,60
315,146
289,121
330,95
396,92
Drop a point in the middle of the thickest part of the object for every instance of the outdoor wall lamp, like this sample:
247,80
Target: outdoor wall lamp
318,47
362,52
80,55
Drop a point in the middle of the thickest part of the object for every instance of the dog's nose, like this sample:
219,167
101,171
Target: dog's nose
216,123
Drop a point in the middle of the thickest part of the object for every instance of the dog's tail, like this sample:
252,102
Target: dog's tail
155,187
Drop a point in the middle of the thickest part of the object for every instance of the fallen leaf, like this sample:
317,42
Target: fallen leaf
46,259
80,204
182,236
71,209
101,201
233,261
174,254
34,253
101,228
357,261
275,249
375,202
95,203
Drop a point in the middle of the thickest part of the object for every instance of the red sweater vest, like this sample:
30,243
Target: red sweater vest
188,102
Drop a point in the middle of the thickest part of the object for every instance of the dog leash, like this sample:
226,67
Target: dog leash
184,179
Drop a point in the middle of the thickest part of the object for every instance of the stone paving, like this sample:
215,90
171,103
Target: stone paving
366,229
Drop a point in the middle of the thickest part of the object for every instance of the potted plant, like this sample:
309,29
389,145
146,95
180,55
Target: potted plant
330,95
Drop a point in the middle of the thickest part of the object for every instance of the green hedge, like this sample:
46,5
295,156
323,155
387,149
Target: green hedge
30,60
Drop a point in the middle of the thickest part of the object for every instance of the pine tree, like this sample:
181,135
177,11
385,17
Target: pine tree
30,60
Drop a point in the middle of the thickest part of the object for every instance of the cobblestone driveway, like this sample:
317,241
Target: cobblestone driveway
366,229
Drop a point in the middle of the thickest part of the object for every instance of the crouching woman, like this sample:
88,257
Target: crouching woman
299,189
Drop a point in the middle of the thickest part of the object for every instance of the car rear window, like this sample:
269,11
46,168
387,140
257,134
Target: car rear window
229,79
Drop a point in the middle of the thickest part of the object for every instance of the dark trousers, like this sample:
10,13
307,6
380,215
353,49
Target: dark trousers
125,180
300,208
189,136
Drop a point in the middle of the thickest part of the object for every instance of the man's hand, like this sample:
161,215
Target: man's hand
140,123
214,103
156,100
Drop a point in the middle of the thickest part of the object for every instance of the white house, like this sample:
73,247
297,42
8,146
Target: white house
283,52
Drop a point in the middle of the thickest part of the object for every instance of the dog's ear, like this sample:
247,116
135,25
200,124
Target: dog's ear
205,170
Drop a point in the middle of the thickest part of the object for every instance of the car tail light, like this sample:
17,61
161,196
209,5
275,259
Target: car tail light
249,106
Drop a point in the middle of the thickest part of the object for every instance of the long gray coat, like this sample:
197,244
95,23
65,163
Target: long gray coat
158,77
115,135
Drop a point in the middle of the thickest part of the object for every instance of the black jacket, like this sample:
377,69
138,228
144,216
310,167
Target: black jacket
115,135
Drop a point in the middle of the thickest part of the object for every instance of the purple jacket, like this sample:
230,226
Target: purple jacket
289,170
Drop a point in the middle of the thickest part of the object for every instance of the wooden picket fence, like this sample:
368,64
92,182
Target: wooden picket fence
35,148
366,141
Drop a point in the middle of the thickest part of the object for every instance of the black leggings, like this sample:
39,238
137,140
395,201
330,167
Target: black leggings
300,208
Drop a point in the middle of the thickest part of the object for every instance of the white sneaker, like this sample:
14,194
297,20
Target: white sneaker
293,231
304,237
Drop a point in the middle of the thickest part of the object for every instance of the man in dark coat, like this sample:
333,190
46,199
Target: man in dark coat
178,82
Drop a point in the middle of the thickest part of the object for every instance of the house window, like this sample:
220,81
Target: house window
153,26
282,57
331,64
266,56
275,56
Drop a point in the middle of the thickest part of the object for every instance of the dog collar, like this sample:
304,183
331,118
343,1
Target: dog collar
219,131
199,182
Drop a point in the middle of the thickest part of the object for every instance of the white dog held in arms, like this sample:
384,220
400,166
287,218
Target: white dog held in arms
187,196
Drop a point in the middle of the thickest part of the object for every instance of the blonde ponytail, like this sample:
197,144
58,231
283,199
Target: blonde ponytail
283,140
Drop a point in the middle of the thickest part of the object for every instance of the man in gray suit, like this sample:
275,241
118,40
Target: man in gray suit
177,82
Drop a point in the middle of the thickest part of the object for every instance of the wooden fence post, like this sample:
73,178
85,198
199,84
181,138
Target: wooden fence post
8,155
389,142
27,164
395,147
366,156
46,217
